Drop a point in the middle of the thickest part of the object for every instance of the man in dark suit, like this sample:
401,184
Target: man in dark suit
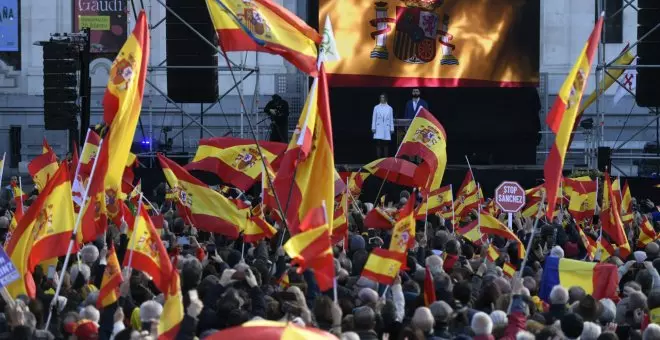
414,104
278,111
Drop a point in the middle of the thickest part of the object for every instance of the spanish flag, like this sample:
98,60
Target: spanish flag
48,213
340,221
403,235
265,26
434,202
589,244
112,278
582,204
646,233
355,183
122,103
626,204
597,279
611,219
19,197
42,168
378,218
45,147
96,210
493,254
472,233
426,138
311,248
383,265
145,252
89,152
468,196
492,226
564,115
508,269
307,169
429,288
236,161
257,228
205,207
172,316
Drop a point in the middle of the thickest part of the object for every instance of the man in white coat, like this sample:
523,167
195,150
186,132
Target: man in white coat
382,126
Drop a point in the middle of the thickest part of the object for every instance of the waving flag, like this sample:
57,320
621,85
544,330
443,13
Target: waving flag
355,183
383,265
626,204
492,226
42,168
257,228
403,235
629,82
564,114
429,288
436,201
610,78
172,316
340,221
647,234
610,217
599,280
426,138
112,278
265,26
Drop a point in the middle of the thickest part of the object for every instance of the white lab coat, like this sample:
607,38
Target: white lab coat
382,122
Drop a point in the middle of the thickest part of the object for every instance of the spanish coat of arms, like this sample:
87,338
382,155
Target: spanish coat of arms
253,20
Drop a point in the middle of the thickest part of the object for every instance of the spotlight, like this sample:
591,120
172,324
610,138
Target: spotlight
587,124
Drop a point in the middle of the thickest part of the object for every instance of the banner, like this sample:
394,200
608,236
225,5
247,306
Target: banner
107,21
434,43
9,21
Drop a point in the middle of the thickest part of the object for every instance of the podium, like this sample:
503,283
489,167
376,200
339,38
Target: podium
400,129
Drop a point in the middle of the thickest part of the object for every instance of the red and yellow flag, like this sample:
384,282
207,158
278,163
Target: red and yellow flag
434,202
340,221
146,252
646,233
45,147
307,170
265,26
112,278
468,197
588,243
626,205
564,115
43,232
172,316
508,269
383,265
492,226
206,208
236,161
426,138
582,203
122,103
257,228
610,219
355,183
42,168
429,288
472,233
403,235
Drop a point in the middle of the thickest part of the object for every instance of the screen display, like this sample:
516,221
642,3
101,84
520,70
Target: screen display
9,26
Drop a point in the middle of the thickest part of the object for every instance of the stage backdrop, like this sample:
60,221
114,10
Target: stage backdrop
430,43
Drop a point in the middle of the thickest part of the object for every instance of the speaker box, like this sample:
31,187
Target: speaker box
185,48
604,159
14,146
61,62
648,51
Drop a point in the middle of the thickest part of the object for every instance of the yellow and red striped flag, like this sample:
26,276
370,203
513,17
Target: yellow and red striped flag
383,265
51,214
493,254
564,114
45,147
436,201
626,205
236,161
582,203
42,168
112,278
429,288
146,252
610,219
508,269
468,197
355,183
257,228
472,233
426,138
204,207
122,103
265,26
172,316
588,243
403,235
492,226
646,233
340,221
307,168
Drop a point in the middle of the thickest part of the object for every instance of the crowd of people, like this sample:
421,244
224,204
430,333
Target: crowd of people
237,283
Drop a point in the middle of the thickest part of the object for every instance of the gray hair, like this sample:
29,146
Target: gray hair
590,331
350,336
558,295
82,269
423,319
91,313
481,324
150,310
89,254
525,335
651,332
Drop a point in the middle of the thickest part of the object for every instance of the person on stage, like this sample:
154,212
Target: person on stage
414,104
278,111
382,126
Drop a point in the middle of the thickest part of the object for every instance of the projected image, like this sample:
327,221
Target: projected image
9,26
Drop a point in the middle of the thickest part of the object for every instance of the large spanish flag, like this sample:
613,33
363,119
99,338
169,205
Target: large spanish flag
146,252
112,278
47,213
426,138
122,103
236,161
564,115
265,26
598,279
42,168
307,169
172,316
582,203
383,265
207,209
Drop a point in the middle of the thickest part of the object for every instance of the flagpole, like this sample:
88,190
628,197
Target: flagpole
20,187
135,224
426,217
620,193
73,238
2,170
146,200
453,212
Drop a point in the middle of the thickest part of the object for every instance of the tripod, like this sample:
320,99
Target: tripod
275,127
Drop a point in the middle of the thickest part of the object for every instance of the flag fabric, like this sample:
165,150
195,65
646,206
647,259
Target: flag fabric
379,218
468,197
97,208
122,103
492,254
265,26
236,161
610,78
206,208
403,235
429,288
508,269
426,138
589,244
492,226
307,169
472,233
89,153
626,205
564,115
48,213
257,228
42,168
19,198
383,265
112,278
597,279
646,233
629,82
328,51
340,220
583,200
73,163
172,315
45,147
355,183
145,252
610,219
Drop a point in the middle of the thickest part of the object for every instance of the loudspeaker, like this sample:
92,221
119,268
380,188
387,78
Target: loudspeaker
14,146
61,62
604,159
648,52
185,48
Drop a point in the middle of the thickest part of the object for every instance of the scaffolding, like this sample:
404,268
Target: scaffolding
603,68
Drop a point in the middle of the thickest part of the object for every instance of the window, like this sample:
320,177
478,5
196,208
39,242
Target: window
613,30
